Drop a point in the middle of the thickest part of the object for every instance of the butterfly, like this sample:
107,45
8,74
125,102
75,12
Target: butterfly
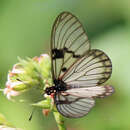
77,70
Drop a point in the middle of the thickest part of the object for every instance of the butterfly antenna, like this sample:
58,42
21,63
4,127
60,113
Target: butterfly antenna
30,118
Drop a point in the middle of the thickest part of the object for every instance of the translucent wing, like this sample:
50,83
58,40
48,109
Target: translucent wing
91,92
68,43
72,106
89,71
77,102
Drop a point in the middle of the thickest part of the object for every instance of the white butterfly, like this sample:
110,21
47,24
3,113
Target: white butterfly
77,70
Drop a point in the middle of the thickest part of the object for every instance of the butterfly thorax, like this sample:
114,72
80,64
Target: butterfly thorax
59,86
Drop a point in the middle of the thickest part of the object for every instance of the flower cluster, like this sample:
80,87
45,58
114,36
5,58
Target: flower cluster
13,82
28,73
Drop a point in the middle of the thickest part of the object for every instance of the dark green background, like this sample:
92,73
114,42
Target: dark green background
25,27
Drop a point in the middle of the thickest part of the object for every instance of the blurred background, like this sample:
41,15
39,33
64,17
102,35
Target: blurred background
25,28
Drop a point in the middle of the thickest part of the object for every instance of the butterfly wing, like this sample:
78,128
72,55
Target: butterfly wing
83,79
91,70
72,106
69,42
77,102
91,92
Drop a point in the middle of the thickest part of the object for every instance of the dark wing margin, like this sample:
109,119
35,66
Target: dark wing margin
73,106
69,42
91,70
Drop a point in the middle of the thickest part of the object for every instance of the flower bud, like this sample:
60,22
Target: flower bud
45,104
9,91
17,69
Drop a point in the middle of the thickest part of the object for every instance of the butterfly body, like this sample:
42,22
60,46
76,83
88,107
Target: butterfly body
58,87
78,71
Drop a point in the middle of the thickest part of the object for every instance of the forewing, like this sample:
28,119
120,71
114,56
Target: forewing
91,70
68,43
72,106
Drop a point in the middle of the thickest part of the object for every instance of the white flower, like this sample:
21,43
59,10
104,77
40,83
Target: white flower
17,69
8,91
42,56
13,84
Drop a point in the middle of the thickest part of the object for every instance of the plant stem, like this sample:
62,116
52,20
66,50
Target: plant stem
59,120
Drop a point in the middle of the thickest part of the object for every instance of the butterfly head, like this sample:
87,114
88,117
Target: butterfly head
50,90
58,87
